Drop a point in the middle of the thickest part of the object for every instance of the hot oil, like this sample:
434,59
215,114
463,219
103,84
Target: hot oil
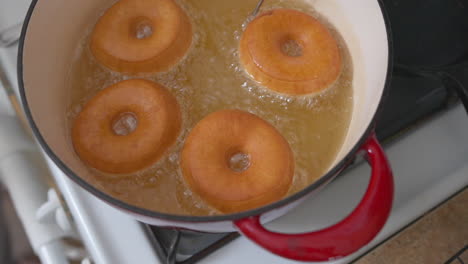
211,78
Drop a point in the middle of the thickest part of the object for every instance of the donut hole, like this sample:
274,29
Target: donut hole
239,161
124,123
291,48
141,28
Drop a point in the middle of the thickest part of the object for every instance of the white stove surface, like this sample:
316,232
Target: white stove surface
430,164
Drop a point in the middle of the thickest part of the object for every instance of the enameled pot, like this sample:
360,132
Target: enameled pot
48,41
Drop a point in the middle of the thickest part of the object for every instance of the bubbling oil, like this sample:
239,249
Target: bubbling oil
210,78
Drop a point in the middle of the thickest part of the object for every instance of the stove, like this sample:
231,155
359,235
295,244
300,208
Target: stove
424,130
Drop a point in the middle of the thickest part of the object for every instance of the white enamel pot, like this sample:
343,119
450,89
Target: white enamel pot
48,41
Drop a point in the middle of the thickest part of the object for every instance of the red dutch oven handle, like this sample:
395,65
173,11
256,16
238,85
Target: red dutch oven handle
343,238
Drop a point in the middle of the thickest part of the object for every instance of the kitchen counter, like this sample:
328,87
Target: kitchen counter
435,238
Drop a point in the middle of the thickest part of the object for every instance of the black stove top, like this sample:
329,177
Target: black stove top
430,67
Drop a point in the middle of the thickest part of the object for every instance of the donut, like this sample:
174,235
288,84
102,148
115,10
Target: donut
126,127
290,52
141,36
224,138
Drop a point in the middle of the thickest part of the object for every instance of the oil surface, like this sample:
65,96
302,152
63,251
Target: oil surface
210,78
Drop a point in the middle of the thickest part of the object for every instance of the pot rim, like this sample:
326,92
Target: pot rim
186,218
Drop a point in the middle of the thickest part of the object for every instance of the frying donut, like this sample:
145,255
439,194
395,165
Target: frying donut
236,161
126,127
141,36
290,52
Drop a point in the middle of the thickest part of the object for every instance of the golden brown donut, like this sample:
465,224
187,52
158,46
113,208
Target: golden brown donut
215,140
158,124
312,63
141,36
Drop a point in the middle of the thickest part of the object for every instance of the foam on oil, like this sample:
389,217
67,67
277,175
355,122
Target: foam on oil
210,78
